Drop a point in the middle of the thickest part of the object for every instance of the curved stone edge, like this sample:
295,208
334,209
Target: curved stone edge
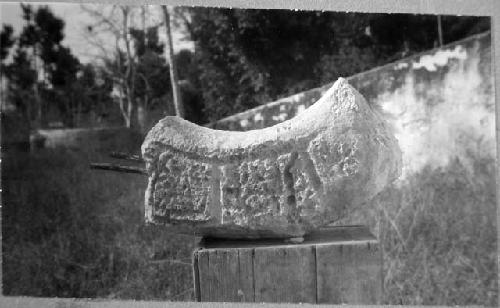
203,220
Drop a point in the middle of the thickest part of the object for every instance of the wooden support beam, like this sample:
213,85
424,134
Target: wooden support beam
334,265
126,156
117,168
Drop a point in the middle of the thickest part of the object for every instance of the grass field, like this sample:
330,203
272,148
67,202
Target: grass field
72,232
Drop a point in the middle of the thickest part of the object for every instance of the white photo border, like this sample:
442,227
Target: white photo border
489,8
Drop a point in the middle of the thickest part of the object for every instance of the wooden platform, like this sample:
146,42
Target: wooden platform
334,265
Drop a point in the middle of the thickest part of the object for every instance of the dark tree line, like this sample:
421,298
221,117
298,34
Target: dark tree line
242,58
46,82
248,57
43,74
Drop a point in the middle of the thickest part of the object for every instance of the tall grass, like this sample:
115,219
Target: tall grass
438,236
72,232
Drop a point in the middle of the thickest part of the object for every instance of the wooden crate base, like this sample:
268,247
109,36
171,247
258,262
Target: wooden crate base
334,265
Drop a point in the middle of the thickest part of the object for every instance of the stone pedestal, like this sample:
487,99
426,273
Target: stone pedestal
333,265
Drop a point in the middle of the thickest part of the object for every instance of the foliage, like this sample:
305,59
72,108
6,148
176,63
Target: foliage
137,63
243,58
22,78
6,41
44,76
43,33
250,57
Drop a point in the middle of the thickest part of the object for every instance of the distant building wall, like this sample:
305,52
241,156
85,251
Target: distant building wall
440,102
92,139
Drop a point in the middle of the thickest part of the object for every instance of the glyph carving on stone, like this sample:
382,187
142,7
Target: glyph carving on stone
280,181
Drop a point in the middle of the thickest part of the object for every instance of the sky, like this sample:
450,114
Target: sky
76,21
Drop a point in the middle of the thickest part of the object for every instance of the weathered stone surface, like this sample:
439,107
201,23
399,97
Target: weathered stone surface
279,181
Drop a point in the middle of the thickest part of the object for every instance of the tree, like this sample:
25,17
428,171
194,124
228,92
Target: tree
119,60
249,57
152,85
41,62
135,62
179,109
42,37
44,71
138,61
22,78
192,99
6,43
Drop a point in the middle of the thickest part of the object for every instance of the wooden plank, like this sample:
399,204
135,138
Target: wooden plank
334,265
246,290
225,275
349,273
196,277
285,274
326,235
370,273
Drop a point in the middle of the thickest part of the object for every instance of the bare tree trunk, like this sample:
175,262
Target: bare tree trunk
36,91
440,30
38,115
144,30
130,71
124,110
141,115
142,105
78,112
179,110
2,90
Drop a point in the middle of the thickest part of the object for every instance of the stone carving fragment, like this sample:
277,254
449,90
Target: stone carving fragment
280,181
